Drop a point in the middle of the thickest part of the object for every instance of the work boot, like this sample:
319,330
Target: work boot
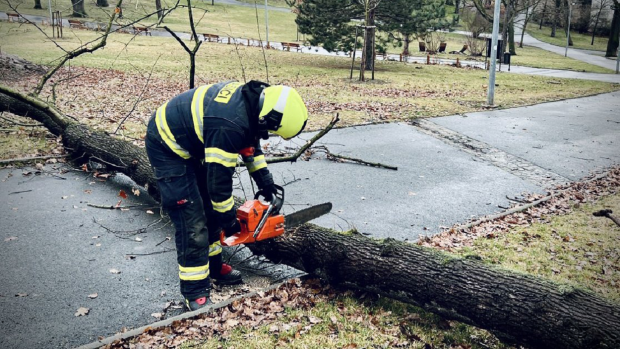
197,303
228,276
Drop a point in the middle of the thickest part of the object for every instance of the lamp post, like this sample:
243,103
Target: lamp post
570,8
491,90
266,24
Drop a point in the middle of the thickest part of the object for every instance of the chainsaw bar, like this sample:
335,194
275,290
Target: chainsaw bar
306,215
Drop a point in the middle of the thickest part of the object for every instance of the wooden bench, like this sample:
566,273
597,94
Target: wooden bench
287,46
137,30
75,24
211,38
14,17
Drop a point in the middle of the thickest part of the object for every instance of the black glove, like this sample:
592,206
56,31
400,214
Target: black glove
269,191
232,228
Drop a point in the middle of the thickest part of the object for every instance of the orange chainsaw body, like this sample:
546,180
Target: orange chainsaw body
249,216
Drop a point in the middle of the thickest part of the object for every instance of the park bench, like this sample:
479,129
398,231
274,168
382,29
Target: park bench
211,37
75,24
14,17
137,30
287,46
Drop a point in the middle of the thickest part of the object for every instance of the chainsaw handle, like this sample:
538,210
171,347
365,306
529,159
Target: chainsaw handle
278,198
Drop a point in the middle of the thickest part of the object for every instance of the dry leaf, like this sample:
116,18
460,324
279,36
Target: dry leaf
149,212
122,194
64,197
11,238
115,271
93,295
82,311
21,295
39,166
135,191
138,239
157,315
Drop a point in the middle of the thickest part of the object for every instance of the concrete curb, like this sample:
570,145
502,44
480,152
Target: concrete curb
167,322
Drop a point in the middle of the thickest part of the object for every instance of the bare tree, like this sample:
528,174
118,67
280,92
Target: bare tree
601,8
78,8
530,6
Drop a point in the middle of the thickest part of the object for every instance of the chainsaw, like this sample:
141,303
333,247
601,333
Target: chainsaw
260,220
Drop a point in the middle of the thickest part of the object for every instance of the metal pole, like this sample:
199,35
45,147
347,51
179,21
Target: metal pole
570,8
267,23
493,58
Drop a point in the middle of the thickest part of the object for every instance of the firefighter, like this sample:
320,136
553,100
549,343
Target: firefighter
193,143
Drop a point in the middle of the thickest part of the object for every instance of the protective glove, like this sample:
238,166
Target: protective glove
268,191
232,228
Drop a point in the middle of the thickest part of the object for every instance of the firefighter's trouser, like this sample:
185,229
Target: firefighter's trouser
184,196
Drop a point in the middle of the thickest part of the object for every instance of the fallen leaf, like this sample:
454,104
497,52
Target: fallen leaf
157,315
98,245
93,295
21,295
138,239
39,166
314,320
135,191
82,311
122,194
149,212
11,238
64,197
115,271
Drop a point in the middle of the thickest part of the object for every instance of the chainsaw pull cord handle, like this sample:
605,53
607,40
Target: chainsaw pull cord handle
274,207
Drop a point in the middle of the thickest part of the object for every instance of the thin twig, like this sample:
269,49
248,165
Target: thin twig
19,123
260,41
308,144
373,164
139,99
19,192
114,207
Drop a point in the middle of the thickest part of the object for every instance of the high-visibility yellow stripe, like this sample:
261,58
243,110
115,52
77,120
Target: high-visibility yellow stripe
198,109
219,156
227,91
194,273
166,135
223,206
259,162
215,248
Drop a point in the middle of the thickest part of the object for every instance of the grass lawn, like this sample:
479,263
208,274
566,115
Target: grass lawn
223,20
580,41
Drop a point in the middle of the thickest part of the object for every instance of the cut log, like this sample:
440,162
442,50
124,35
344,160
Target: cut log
518,308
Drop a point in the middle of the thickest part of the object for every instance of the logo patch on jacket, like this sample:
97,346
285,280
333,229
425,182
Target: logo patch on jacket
225,93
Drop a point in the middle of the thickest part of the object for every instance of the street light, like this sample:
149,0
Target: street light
570,8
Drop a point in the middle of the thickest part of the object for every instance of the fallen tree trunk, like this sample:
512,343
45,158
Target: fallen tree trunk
518,308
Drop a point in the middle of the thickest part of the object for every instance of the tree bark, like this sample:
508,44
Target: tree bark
37,4
518,308
612,44
160,11
78,8
102,3
407,41
556,17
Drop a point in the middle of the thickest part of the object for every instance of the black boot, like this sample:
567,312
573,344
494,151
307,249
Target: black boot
197,303
227,276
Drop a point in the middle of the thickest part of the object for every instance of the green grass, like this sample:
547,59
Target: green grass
223,20
578,249
580,41
401,91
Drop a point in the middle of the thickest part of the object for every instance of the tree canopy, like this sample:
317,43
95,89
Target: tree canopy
331,23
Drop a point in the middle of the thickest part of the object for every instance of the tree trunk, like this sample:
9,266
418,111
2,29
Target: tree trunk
78,8
160,12
369,47
518,308
37,4
542,16
598,16
556,17
407,41
102,3
511,38
612,44
585,14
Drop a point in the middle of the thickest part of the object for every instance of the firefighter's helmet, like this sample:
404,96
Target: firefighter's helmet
283,111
